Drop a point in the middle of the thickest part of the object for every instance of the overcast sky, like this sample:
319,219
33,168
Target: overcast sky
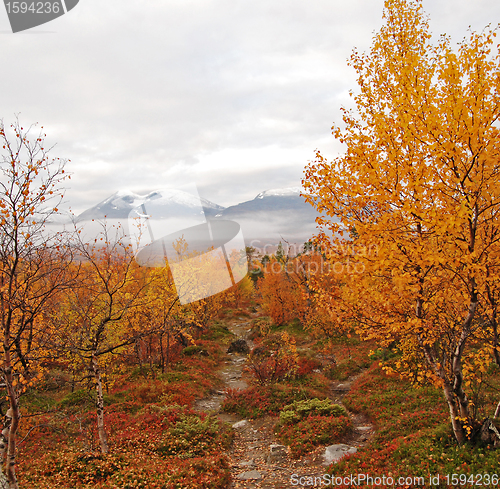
233,95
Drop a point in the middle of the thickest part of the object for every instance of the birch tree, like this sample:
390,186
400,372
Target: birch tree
418,196
33,266
107,311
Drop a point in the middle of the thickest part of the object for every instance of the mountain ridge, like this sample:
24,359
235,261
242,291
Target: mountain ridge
273,215
174,202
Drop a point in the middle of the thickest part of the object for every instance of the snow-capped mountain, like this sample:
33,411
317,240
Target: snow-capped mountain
274,201
168,202
273,215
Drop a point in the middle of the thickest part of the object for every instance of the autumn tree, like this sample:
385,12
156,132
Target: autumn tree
95,319
288,290
320,313
159,314
281,297
240,293
417,196
33,267
170,321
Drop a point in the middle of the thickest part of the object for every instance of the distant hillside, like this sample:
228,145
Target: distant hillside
274,215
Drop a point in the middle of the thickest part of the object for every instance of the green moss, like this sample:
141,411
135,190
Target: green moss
80,397
192,350
40,401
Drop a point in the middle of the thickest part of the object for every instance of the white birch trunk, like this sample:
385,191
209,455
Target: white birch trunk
103,439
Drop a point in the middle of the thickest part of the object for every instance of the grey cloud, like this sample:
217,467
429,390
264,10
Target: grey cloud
131,90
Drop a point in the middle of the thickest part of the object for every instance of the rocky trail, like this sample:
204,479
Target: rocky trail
257,458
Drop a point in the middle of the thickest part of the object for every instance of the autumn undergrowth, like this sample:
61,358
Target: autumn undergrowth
303,425
413,435
156,439
279,374
166,447
257,401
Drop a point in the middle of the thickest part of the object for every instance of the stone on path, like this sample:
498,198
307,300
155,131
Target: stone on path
247,463
249,476
240,424
276,453
238,346
334,453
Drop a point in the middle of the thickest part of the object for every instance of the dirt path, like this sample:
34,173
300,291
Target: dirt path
231,374
257,458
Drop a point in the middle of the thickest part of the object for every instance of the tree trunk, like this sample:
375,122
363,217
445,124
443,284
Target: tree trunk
167,359
450,394
103,439
137,354
10,461
458,429
11,424
162,355
151,359
4,450
489,433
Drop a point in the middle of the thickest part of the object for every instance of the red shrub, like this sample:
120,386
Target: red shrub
307,365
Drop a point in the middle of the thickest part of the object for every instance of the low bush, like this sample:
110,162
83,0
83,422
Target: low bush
347,368
275,360
316,429
126,470
162,447
258,401
413,434
299,410
217,331
306,365
80,397
305,424
194,350
195,435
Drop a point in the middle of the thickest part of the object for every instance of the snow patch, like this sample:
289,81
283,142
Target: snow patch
127,199
280,192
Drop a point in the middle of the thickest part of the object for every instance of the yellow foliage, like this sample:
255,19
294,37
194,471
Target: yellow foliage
417,190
